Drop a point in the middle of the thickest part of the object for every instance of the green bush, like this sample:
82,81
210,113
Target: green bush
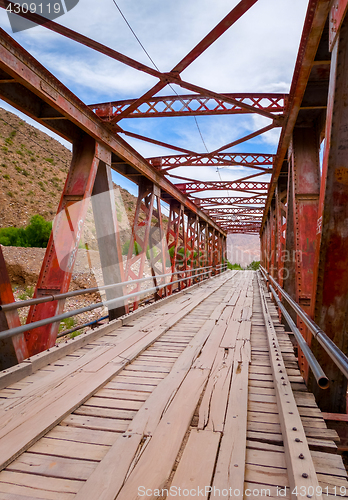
38,231
137,248
36,234
254,265
67,324
234,266
27,294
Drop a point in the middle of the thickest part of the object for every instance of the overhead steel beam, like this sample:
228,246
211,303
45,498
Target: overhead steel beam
229,200
184,105
35,89
246,138
198,186
233,211
252,160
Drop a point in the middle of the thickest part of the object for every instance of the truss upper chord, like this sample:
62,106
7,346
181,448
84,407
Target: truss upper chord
198,186
221,212
243,159
229,200
183,105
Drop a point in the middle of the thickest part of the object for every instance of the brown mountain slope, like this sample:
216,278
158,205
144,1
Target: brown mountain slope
33,168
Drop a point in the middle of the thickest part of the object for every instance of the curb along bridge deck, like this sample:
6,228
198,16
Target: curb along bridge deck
201,392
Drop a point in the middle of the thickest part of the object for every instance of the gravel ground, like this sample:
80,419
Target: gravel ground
24,266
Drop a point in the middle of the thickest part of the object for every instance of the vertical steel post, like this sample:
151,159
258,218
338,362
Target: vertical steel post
159,256
304,164
107,231
139,240
175,233
281,211
62,247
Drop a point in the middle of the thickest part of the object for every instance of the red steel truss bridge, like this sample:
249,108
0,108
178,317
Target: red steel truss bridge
245,369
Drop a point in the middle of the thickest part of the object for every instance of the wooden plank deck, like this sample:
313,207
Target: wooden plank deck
185,396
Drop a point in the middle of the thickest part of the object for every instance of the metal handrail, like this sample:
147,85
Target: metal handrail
337,356
318,372
112,302
74,293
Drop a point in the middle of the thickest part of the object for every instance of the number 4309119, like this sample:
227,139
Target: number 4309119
24,8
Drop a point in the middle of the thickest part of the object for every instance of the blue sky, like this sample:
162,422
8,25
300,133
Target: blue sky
257,54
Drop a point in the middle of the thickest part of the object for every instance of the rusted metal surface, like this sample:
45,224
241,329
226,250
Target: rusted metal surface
331,278
336,16
317,13
198,186
229,200
108,233
216,212
183,105
252,160
60,256
12,350
304,162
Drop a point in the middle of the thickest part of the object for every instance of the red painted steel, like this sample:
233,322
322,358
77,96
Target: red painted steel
12,350
198,186
233,16
229,200
62,247
331,277
281,218
154,141
304,162
316,17
336,16
252,160
234,211
183,105
246,138
140,237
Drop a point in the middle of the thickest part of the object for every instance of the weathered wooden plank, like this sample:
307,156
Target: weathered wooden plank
53,466
301,473
196,474
229,472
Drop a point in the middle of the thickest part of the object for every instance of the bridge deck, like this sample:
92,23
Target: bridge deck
201,391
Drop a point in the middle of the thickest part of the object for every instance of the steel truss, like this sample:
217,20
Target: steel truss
304,239
182,105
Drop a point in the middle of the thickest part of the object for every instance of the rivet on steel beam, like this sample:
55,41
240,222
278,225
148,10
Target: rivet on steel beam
305,475
301,456
298,440
294,428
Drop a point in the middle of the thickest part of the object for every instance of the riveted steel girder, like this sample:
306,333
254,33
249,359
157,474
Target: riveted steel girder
183,105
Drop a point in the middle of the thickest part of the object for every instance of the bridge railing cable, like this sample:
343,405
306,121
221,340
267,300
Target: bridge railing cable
107,303
337,356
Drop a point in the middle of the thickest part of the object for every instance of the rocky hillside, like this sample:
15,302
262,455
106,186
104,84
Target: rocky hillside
33,169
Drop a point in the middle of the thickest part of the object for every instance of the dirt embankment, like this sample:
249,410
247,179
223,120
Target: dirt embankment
23,266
